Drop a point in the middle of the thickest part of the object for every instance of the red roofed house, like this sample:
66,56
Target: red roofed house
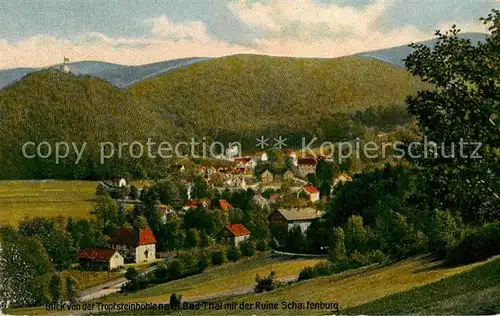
224,205
100,259
234,234
306,166
119,182
244,162
312,192
136,244
194,204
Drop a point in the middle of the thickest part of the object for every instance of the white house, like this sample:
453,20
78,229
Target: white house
234,234
120,182
100,259
136,244
312,193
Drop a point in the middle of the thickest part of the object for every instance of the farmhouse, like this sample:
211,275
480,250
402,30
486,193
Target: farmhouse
194,204
234,234
306,166
100,259
136,244
288,219
312,193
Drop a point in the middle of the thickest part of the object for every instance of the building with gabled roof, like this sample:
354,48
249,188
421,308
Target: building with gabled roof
234,234
224,205
136,244
100,259
287,219
312,193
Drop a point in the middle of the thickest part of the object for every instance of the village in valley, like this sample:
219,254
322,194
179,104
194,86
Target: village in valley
281,186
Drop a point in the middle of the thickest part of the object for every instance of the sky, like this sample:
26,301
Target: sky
130,32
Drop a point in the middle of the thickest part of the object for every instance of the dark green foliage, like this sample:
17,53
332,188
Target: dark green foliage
233,253
175,301
247,248
266,284
262,245
55,288
204,261
479,244
295,240
218,257
131,274
71,289
463,108
306,274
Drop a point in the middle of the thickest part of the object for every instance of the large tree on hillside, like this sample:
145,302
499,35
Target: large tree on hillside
462,108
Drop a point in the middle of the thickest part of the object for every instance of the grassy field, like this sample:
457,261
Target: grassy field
408,286
229,277
88,279
45,198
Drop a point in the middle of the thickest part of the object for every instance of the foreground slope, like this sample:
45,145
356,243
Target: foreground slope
52,107
246,95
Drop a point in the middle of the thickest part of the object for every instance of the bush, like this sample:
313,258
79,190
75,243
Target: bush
100,190
233,253
161,273
478,245
358,259
131,274
376,256
203,261
247,248
176,269
261,245
322,269
306,273
218,258
265,284
190,263
446,232
175,301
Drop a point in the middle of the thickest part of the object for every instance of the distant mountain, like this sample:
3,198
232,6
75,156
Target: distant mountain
119,75
395,55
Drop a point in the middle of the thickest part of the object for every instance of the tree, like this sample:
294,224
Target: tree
446,233
192,238
175,301
233,253
134,192
295,241
337,245
71,288
106,213
131,274
356,235
55,287
462,107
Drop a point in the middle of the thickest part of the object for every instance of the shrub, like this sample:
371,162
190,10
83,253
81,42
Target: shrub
203,261
190,263
337,246
161,273
478,245
175,301
233,253
322,269
306,273
131,274
265,284
100,190
446,232
247,248
176,269
218,258
261,245
376,256
358,259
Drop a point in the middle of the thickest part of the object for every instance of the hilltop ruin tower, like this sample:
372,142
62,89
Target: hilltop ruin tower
64,67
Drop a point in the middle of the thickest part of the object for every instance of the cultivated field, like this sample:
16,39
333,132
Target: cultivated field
45,198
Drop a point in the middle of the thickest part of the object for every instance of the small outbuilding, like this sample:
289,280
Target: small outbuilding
100,259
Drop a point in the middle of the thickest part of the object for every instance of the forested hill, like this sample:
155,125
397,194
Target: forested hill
54,107
248,95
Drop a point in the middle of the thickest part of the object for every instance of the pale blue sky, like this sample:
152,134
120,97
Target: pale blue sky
218,26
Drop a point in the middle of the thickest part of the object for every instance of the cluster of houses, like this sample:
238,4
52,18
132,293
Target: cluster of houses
136,245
